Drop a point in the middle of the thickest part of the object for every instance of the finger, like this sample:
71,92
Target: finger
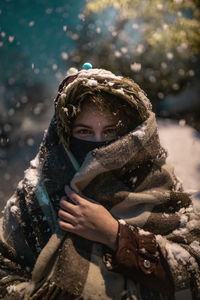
65,216
79,198
66,199
69,207
72,195
66,226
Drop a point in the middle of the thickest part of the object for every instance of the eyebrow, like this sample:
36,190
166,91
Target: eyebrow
85,126
81,125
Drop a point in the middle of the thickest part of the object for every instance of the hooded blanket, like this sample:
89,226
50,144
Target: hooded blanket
129,177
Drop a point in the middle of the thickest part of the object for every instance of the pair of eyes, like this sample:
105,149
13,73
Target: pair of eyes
89,132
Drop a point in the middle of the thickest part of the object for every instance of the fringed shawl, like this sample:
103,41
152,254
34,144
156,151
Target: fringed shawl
129,177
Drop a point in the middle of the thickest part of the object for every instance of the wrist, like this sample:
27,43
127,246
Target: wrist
112,236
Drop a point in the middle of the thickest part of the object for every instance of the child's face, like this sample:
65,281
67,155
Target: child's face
95,125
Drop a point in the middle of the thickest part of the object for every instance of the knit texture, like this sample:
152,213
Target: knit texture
129,177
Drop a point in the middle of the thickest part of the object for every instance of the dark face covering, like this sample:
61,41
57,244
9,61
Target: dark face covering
80,148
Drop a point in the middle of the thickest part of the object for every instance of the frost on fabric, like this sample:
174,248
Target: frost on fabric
143,232
140,134
179,183
108,264
183,220
100,72
92,82
189,209
11,289
120,91
31,177
182,265
34,163
193,224
159,239
145,100
89,73
180,232
72,71
143,250
195,245
183,229
14,209
121,221
65,110
32,174
20,185
63,96
9,203
166,215
181,211
183,217
178,255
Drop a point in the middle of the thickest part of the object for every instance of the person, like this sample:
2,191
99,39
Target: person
99,213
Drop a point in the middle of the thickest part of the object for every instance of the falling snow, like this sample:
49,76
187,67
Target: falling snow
11,39
136,67
170,55
64,55
31,23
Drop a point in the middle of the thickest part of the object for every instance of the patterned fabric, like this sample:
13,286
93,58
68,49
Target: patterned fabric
129,177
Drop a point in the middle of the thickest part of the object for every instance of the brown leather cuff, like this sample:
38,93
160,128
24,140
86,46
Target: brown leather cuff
139,258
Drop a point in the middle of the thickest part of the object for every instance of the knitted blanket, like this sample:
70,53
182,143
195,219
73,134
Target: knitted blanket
129,177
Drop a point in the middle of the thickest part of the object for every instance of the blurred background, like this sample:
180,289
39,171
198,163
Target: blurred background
154,42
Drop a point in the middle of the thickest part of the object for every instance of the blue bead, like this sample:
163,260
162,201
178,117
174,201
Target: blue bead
87,66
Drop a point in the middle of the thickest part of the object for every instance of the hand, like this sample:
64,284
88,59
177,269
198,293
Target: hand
88,219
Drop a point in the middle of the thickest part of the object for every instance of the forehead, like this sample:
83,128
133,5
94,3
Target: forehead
92,113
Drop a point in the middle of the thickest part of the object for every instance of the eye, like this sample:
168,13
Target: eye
83,131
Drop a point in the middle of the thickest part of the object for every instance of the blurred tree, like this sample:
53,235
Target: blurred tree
166,24
23,107
155,42
21,94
